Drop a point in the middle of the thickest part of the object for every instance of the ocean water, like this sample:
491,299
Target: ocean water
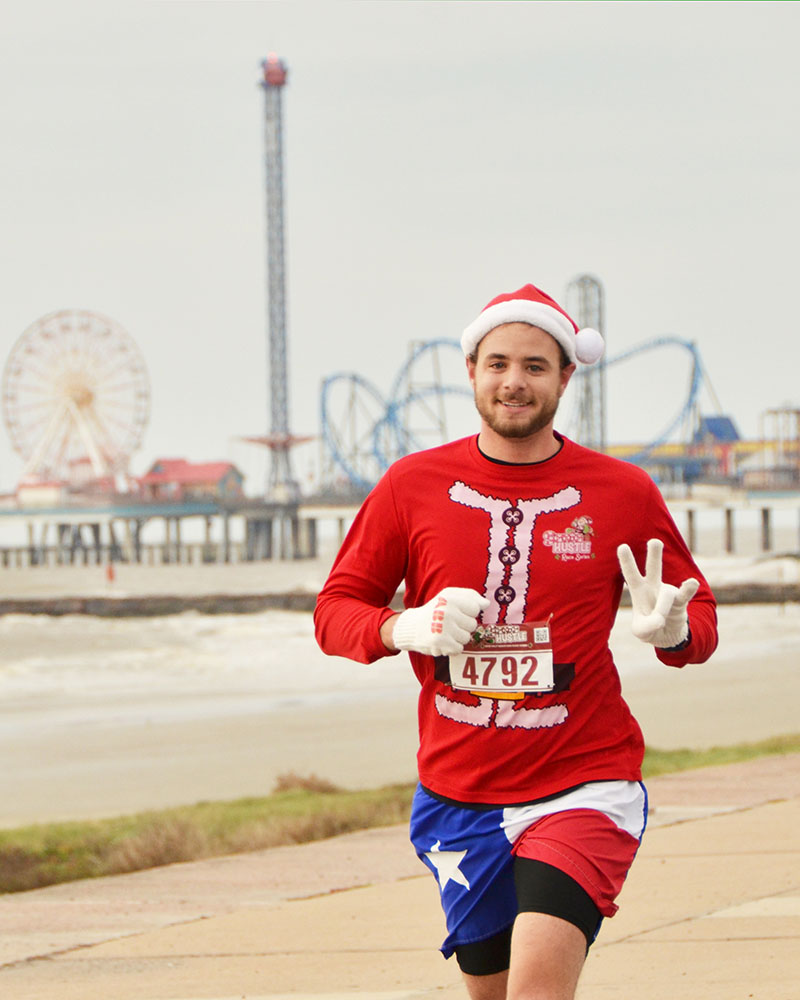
77,668
189,664
103,717
63,673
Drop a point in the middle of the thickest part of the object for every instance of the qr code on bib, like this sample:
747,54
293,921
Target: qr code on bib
541,634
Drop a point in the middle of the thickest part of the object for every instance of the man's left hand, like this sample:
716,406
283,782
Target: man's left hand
659,609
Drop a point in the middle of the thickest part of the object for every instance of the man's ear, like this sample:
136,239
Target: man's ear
470,370
566,375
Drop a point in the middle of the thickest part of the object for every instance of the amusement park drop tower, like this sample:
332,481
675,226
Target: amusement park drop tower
281,484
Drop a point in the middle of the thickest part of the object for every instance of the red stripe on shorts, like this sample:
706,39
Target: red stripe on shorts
587,846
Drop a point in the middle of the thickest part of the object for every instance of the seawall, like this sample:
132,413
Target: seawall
150,605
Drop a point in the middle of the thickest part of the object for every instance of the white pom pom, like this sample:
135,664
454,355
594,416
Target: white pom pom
589,346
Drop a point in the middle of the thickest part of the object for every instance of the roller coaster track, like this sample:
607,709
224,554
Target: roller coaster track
697,377
363,432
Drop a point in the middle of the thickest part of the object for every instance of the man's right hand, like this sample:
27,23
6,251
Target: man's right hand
443,625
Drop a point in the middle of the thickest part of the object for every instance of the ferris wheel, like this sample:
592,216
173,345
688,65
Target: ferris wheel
75,394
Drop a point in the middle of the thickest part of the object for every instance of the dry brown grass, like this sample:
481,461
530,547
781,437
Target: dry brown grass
160,843
289,782
301,809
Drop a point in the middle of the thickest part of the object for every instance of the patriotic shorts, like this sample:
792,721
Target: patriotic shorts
591,833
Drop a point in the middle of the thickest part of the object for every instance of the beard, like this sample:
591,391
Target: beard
509,426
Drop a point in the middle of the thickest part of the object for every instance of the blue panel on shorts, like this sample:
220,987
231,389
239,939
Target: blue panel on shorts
470,855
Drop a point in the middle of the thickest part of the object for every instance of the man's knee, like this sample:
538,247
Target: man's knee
547,955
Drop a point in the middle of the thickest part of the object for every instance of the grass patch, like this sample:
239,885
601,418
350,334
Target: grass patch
299,810
665,761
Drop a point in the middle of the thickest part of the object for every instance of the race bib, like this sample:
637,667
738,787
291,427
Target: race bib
505,661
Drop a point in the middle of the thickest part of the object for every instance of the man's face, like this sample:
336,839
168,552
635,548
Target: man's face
518,380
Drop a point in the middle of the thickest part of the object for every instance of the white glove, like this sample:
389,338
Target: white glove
659,609
441,626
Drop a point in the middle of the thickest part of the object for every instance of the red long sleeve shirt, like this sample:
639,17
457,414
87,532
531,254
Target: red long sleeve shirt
540,542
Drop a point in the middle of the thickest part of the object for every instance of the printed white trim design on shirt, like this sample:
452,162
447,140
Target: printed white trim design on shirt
509,544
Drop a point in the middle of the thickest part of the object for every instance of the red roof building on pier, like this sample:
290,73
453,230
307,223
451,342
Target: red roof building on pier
178,479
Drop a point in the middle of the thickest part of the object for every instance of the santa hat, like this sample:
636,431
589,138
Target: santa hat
531,305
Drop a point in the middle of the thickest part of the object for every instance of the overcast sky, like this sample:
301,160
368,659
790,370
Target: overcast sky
436,155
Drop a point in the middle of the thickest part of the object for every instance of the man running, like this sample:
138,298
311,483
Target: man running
513,545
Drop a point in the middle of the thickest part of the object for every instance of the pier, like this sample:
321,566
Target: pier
207,531
774,519
165,533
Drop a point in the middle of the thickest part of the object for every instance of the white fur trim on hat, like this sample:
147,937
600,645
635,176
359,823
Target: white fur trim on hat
586,346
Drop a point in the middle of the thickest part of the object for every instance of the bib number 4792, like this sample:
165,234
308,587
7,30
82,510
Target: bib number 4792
523,671
516,672
505,661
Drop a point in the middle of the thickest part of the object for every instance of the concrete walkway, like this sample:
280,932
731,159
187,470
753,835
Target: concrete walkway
710,911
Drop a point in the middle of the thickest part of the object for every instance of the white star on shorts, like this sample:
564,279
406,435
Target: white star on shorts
446,864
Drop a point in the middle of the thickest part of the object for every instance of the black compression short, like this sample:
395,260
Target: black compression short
541,888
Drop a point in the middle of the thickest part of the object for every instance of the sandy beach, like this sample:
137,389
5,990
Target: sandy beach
109,716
